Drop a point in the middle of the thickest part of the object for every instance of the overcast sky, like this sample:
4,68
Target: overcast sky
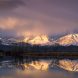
32,17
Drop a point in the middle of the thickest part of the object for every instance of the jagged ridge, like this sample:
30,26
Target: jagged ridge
67,40
70,39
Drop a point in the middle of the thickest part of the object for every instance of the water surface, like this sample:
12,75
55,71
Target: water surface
38,68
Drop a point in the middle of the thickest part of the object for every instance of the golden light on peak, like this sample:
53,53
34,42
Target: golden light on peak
39,39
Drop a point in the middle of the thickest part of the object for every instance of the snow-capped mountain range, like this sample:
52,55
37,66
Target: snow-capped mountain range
67,40
71,39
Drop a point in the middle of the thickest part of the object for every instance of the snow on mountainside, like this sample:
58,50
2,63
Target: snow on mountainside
40,39
8,41
71,39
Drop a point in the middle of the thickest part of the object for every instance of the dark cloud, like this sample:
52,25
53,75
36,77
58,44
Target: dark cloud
9,4
49,16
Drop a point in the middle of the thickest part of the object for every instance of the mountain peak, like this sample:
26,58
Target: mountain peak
70,39
40,39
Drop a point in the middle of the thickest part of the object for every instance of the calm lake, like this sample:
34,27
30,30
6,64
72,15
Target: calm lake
38,68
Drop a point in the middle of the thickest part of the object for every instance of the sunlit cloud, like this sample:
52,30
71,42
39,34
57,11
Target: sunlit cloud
38,17
22,27
8,23
31,27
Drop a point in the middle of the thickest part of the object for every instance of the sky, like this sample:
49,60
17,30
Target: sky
33,17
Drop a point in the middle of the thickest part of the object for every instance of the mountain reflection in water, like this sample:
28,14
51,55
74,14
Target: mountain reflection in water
38,68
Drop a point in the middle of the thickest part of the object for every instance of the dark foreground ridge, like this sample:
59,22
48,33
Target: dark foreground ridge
23,49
